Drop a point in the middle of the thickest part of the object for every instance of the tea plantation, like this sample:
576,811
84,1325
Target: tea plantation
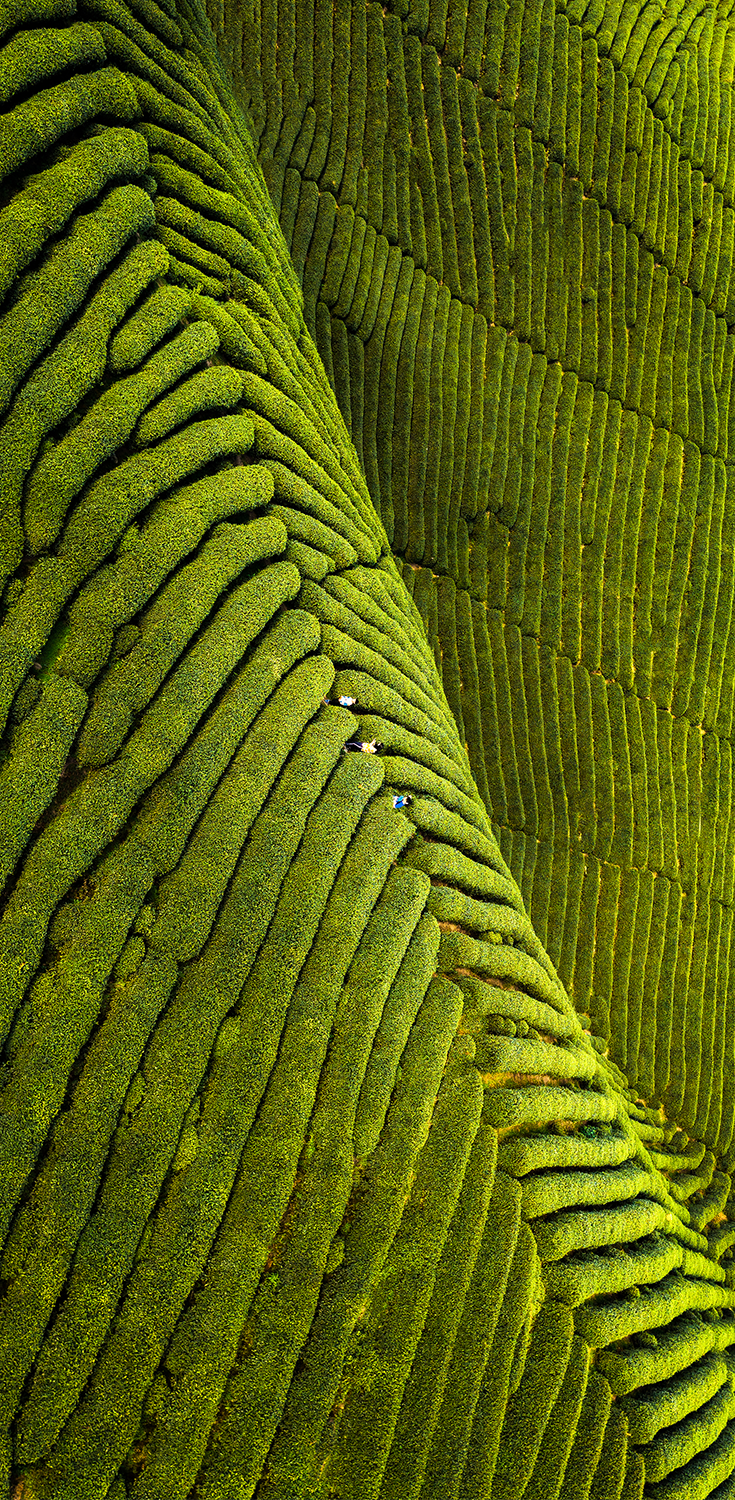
367,1114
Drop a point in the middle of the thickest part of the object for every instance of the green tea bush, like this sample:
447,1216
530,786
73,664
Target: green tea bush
367,1085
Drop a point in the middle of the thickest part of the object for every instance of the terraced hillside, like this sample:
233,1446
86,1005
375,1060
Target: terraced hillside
326,1169
517,264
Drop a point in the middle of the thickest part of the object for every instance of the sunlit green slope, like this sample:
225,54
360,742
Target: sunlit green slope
313,1181
517,260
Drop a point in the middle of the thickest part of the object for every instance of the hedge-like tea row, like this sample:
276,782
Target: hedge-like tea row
591,841
213,843
635,854
280,1035
554,278
207,738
